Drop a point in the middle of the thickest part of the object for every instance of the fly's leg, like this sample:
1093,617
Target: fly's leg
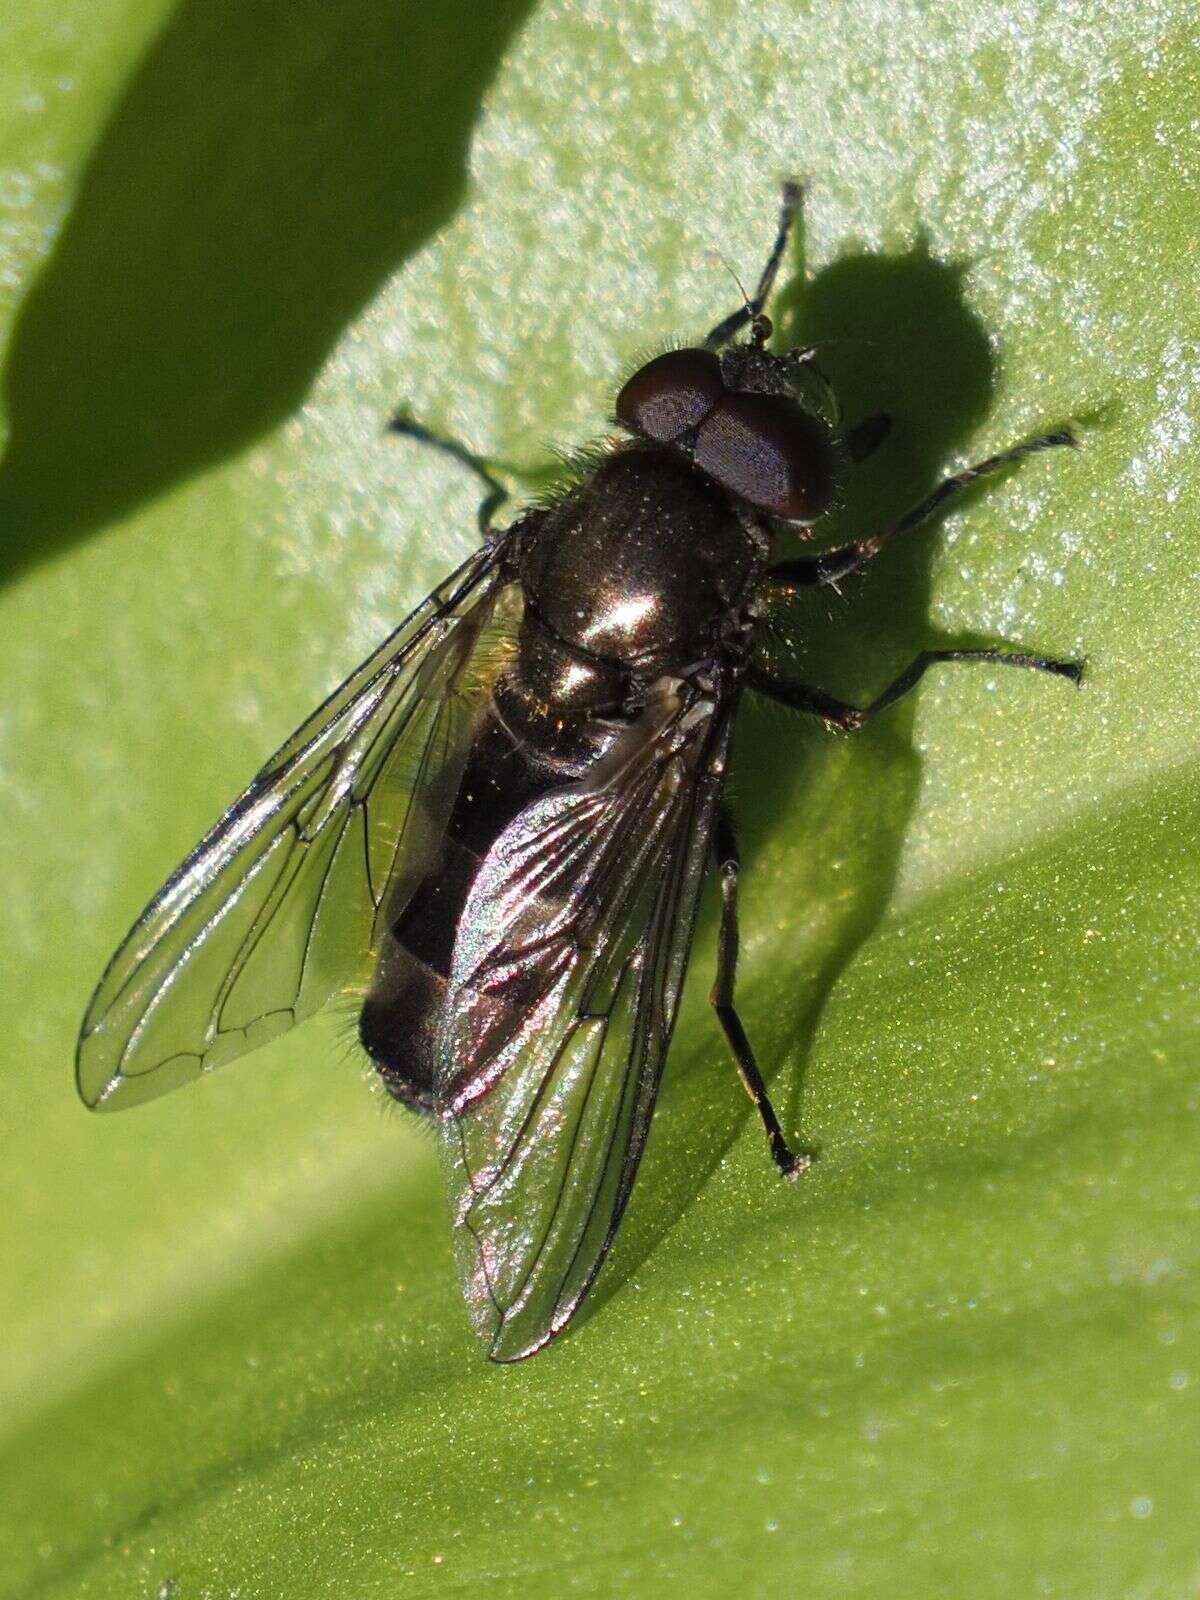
790,1163
834,565
865,437
840,714
751,312
495,493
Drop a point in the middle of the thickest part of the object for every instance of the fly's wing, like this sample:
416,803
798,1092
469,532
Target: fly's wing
280,904
563,992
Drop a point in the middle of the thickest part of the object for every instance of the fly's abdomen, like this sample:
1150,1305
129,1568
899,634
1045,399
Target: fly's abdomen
399,1022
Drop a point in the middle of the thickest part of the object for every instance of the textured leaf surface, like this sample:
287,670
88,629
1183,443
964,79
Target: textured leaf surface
960,1357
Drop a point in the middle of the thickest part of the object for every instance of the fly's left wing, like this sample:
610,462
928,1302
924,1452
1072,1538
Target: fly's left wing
283,901
564,987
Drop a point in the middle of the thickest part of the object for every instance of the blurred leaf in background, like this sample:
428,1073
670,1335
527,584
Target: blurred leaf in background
962,1357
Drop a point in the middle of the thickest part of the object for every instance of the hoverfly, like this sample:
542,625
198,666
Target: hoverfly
501,822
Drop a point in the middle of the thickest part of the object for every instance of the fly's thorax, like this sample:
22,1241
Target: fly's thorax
638,568
553,679
564,735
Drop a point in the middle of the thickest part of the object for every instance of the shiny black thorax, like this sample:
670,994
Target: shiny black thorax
638,573
646,569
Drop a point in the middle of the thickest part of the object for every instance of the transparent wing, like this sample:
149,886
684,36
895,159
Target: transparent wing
280,904
563,992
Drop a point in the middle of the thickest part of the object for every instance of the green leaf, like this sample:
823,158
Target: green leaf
961,1356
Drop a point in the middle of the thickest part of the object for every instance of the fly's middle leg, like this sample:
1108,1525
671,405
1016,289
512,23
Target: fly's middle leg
841,714
790,1163
495,492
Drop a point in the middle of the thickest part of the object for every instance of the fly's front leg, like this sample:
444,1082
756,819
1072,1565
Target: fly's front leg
495,492
834,565
752,311
840,714
790,1163
865,437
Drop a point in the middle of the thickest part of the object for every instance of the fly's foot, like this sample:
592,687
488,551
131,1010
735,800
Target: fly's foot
792,1163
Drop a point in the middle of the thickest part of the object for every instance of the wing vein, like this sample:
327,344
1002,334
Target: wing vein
564,986
252,928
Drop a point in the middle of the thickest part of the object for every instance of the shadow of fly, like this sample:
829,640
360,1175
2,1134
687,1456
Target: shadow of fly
495,833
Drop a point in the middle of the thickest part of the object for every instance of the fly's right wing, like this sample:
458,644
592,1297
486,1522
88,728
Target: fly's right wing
565,981
283,902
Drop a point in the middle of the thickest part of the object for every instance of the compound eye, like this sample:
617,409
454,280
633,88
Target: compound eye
769,451
671,394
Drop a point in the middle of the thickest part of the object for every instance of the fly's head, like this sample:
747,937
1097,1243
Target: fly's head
763,426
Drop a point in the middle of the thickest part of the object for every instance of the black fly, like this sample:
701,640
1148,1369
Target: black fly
500,824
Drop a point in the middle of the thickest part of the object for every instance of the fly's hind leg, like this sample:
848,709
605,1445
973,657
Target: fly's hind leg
495,492
790,1163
